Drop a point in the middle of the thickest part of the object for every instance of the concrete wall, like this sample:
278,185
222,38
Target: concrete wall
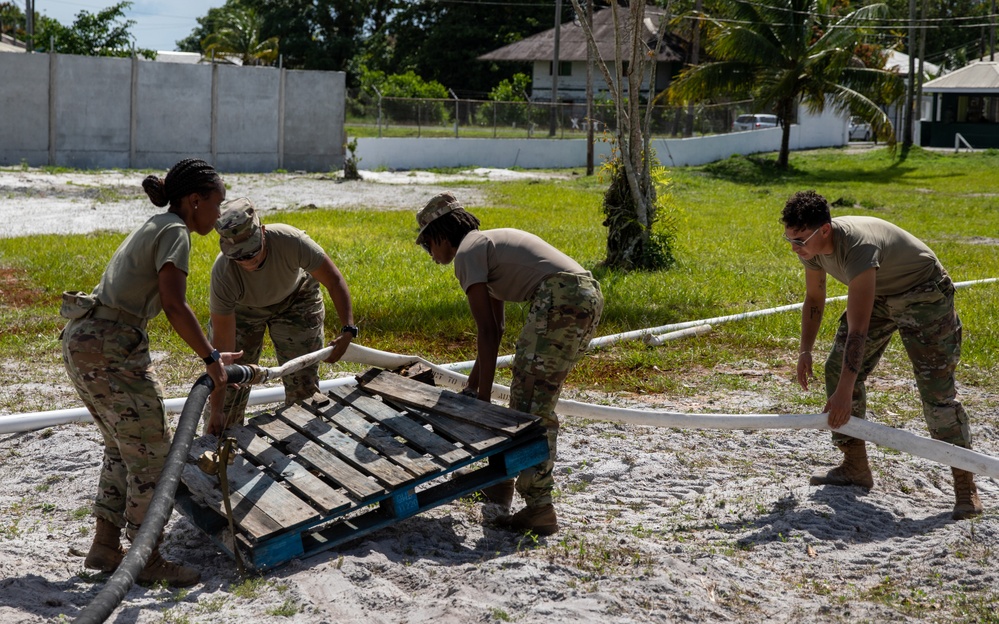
827,129
92,112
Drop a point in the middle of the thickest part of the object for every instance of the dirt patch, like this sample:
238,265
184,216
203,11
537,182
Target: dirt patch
16,291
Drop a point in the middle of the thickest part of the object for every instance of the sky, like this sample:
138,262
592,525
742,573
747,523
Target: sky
159,24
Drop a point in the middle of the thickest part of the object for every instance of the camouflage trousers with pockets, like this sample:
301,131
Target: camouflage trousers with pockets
930,330
295,326
564,313
109,364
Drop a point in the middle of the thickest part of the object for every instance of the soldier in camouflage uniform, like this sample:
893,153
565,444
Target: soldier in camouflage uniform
495,266
267,279
106,352
896,283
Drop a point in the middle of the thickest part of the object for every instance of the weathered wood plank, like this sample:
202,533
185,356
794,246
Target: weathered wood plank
476,438
345,446
376,436
293,473
205,490
414,432
251,490
446,403
357,484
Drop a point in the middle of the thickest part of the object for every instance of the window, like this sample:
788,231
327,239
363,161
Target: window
564,68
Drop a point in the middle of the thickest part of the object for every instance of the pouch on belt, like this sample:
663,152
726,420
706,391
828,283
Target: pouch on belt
77,304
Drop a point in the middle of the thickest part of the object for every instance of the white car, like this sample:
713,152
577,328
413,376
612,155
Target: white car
754,122
860,130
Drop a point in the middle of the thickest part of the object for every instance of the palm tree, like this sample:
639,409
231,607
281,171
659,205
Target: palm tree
239,37
784,51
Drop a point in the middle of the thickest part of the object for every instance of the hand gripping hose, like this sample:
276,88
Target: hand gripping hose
161,505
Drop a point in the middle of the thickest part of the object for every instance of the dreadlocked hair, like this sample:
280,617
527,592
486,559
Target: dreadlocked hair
451,227
188,176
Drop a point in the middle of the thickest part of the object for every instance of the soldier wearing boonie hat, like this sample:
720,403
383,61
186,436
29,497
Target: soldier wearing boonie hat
239,229
495,266
267,280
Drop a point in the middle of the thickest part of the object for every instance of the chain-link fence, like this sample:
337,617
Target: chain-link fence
409,117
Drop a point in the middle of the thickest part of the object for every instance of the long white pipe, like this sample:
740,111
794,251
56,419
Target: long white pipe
881,435
32,421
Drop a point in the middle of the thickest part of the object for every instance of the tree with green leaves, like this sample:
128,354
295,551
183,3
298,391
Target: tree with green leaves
783,52
238,36
637,205
12,20
105,33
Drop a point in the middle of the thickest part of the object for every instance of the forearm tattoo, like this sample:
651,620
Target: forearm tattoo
815,312
853,356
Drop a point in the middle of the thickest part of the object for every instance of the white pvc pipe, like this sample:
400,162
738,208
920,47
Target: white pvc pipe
31,421
655,341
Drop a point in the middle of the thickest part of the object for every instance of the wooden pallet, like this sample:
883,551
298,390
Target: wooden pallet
319,473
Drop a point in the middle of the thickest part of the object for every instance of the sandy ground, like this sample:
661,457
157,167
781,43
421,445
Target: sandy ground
658,525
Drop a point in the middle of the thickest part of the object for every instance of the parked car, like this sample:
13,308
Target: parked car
754,122
860,130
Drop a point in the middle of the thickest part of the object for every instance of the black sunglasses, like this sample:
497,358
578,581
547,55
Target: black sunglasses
249,256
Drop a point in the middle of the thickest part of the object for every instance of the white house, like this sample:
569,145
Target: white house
539,49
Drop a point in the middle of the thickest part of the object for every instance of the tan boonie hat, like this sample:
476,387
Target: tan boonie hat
239,228
437,207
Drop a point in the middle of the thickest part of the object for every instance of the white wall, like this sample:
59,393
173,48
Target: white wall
827,129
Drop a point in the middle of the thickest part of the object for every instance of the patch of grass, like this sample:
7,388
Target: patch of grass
287,609
249,588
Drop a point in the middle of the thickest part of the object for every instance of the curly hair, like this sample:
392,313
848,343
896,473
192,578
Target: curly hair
188,176
451,227
805,210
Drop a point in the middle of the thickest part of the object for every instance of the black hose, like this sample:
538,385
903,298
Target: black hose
161,505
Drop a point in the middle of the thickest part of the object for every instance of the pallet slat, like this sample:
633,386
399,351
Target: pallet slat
358,455
340,472
414,432
377,437
446,403
293,473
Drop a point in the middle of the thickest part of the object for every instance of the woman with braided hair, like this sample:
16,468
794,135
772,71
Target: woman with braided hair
106,352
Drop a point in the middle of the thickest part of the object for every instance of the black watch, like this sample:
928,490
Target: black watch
349,328
212,357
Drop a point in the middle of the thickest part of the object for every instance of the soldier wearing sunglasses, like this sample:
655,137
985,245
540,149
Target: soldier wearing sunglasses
895,283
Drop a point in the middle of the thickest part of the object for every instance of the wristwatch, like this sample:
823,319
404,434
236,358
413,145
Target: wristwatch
212,357
349,328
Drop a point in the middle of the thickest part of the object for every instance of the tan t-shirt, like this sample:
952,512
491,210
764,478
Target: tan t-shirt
511,262
860,243
291,257
131,280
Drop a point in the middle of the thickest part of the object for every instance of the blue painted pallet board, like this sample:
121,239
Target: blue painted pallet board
326,471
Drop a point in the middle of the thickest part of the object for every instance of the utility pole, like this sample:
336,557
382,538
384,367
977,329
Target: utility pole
589,91
553,124
910,47
29,25
695,48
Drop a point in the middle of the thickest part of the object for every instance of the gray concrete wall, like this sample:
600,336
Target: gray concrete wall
91,112
24,106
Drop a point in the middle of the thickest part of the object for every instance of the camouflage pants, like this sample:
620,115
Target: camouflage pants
109,364
563,317
295,326
931,333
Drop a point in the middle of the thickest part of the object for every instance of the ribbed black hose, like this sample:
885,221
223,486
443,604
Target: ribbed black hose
161,506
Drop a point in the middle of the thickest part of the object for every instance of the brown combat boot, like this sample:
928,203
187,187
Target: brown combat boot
853,471
159,569
501,493
540,520
968,504
106,552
